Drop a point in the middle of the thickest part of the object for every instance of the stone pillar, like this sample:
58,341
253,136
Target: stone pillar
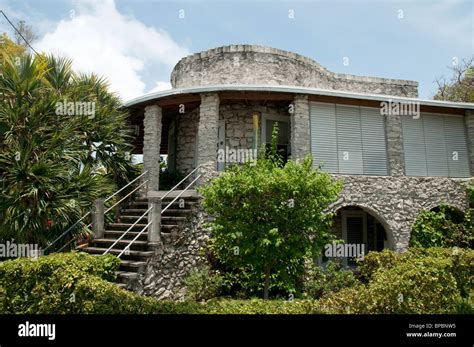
470,137
207,135
151,145
154,230
300,128
98,218
395,151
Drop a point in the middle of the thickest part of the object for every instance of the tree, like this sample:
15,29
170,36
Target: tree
9,48
52,157
25,32
460,87
270,217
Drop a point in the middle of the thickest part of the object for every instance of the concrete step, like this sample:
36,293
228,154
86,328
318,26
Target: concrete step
139,211
125,276
132,265
115,251
137,245
133,219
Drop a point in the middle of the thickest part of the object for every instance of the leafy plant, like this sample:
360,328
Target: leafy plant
203,284
322,281
268,217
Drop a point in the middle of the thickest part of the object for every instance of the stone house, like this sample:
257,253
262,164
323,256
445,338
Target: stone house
397,154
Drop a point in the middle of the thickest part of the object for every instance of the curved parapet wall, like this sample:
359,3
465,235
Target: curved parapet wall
259,65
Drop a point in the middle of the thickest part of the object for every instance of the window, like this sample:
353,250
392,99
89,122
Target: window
435,145
348,139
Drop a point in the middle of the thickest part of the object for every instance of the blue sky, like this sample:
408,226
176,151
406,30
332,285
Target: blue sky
135,44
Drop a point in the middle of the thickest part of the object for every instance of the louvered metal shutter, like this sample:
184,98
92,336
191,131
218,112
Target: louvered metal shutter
456,146
323,136
414,146
435,147
349,139
374,147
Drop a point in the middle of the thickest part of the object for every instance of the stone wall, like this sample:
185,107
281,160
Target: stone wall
186,141
396,202
239,122
164,275
251,64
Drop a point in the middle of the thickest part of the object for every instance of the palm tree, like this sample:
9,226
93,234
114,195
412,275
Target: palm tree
51,162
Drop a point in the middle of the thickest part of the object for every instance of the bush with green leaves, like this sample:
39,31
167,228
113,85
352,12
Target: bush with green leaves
432,280
203,284
74,283
270,216
330,278
443,227
259,306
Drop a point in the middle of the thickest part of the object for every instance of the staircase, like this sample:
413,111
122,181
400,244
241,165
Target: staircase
135,259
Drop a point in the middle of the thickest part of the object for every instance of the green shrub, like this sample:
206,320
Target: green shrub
73,283
323,281
203,284
346,301
444,227
259,306
420,285
376,260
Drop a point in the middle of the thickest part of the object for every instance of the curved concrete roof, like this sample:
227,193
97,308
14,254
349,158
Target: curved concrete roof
149,98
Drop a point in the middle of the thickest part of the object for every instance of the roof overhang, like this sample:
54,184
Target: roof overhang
161,96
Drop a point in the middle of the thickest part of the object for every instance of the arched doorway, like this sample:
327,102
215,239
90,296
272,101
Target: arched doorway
360,230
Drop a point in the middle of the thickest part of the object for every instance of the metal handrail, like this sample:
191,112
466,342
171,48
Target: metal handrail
89,212
67,231
177,196
180,182
126,196
136,237
129,183
149,223
130,228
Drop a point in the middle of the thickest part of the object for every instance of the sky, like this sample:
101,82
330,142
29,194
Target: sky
136,43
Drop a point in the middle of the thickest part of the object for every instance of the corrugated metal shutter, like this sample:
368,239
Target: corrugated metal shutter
374,147
436,158
414,146
456,146
349,139
323,136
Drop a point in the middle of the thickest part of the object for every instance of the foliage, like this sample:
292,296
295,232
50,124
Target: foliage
442,228
73,283
168,179
259,306
10,49
269,216
54,164
322,281
203,284
460,87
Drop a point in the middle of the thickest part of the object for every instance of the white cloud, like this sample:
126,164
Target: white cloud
160,86
99,39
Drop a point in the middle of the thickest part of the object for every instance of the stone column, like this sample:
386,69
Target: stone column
395,151
470,137
151,145
300,128
98,218
207,135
